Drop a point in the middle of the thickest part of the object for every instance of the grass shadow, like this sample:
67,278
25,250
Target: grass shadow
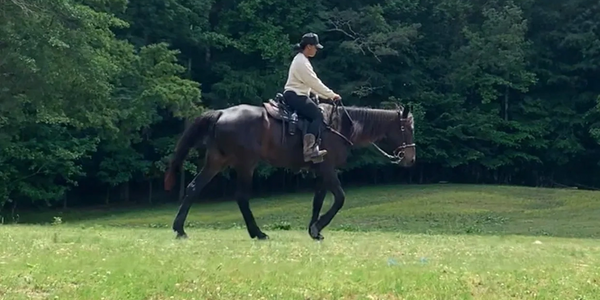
424,209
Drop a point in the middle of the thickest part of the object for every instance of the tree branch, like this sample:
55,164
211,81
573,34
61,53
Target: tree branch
38,171
20,4
357,38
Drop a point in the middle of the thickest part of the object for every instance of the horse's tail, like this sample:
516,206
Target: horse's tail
202,126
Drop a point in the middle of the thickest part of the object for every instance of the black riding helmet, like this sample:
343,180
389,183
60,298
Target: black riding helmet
311,39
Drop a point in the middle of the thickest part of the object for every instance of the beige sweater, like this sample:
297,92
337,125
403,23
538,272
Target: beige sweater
302,79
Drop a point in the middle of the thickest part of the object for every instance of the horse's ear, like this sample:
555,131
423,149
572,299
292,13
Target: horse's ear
399,107
405,112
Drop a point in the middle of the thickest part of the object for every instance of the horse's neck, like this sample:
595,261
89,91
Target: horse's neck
371,124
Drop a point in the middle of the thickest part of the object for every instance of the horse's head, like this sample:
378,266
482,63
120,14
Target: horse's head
401,137
393,127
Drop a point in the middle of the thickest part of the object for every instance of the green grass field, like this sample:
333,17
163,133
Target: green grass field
393,242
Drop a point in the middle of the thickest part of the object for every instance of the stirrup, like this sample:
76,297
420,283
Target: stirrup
316,155
317,159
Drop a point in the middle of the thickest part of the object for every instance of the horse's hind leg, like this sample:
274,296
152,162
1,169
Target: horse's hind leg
211,168
245,173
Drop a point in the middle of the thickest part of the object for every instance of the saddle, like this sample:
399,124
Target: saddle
279,110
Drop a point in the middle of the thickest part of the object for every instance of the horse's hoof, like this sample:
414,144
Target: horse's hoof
319,237
314,233
261,236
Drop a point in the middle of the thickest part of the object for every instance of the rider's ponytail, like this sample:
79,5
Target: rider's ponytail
298,48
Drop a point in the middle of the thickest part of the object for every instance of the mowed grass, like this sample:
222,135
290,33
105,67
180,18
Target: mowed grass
394,242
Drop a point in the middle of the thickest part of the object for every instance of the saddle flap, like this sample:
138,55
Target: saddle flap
279,110
272,108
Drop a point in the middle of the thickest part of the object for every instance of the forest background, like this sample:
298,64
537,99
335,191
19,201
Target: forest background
94,93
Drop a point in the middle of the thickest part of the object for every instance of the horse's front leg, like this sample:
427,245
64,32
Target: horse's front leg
331,182
319,197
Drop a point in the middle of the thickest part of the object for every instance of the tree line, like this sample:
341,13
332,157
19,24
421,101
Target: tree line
94,93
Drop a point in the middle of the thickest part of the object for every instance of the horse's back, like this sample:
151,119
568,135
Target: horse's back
242,113
250,132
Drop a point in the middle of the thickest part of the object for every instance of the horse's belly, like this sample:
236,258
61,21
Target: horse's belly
282,153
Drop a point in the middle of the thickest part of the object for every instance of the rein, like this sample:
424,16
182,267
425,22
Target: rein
398,154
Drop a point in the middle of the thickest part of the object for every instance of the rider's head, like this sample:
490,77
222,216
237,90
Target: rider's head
309,44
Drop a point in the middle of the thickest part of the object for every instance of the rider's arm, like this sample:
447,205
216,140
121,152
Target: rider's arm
320,98
310,78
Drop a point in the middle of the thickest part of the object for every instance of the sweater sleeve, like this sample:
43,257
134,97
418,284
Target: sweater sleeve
310,78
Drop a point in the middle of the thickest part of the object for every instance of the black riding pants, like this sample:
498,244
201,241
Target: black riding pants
306,108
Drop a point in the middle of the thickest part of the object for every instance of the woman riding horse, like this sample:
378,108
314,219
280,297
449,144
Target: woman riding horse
301,81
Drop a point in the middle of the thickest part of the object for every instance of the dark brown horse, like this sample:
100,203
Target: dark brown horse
240,136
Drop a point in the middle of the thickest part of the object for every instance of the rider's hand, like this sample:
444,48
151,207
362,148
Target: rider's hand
336,97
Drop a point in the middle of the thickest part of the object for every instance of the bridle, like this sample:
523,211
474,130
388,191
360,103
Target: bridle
398,154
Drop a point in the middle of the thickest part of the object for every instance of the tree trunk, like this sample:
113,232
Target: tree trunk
207,55
506,103
125,192
150,191
374,174
13,212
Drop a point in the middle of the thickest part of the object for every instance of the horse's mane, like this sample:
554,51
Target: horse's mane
366,121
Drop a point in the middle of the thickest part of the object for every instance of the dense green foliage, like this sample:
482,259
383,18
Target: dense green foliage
93,93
